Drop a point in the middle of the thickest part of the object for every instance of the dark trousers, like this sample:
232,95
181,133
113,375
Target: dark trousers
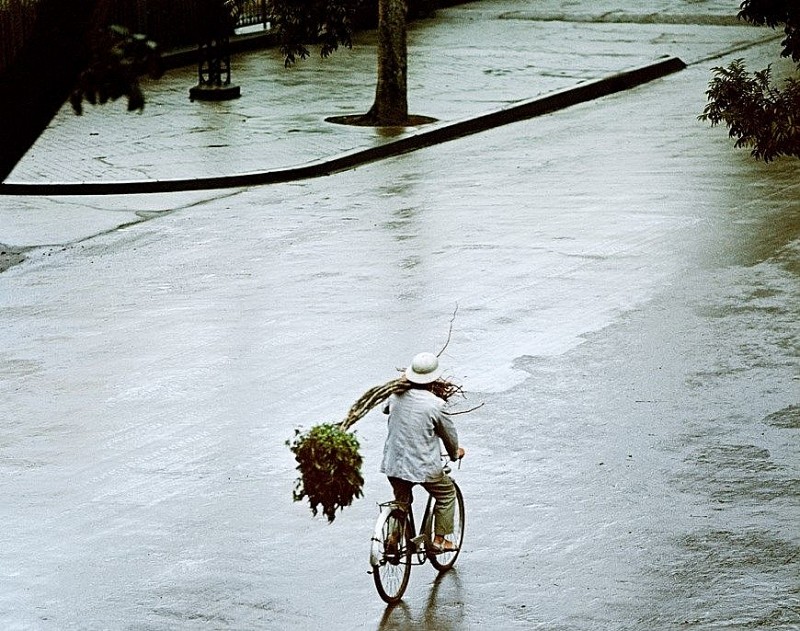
444,494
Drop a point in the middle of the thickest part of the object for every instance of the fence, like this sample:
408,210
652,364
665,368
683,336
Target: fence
172,23
254,13
17,18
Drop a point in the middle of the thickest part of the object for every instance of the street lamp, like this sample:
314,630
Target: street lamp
216,19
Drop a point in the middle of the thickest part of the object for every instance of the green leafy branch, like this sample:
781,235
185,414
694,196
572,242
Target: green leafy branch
758,113
323,22
329,463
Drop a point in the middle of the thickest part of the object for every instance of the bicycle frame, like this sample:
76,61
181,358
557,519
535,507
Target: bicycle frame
395,543
418,542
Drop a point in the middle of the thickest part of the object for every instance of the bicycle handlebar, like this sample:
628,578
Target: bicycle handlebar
448,461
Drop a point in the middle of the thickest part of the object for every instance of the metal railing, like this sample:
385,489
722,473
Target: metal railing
172,23
254,13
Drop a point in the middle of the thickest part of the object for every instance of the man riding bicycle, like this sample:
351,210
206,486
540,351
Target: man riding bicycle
412,454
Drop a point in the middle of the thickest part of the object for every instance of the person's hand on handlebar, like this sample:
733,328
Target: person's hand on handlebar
461,453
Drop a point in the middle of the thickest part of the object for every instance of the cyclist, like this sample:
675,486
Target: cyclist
412,453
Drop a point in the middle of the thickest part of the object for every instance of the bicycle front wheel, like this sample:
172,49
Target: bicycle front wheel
391,564
443,561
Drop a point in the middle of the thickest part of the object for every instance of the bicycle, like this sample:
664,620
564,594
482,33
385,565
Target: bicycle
396,546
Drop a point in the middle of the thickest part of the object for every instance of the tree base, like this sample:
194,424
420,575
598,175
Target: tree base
208,92
369,120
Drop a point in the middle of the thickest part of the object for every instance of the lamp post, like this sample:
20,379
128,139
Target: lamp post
216,19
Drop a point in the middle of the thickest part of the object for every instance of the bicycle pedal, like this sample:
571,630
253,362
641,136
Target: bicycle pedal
418,540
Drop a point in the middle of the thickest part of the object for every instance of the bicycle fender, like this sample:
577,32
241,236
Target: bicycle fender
375,551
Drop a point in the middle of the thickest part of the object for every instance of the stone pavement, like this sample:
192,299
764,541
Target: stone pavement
467,60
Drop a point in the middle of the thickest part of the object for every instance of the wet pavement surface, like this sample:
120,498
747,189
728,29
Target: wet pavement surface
627,292
468,60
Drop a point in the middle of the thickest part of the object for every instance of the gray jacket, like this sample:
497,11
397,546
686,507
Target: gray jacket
417,421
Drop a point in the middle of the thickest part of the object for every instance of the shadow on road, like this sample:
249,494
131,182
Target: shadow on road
443,609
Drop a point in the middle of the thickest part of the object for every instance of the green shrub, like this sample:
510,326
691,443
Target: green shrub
329,463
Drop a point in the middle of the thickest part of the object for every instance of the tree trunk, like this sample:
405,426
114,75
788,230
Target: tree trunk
391,104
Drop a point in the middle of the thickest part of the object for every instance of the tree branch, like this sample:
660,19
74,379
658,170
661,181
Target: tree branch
449,332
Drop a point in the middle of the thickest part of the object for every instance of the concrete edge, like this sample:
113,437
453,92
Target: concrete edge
420,139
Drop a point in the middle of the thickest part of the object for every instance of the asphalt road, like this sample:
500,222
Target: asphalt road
627,291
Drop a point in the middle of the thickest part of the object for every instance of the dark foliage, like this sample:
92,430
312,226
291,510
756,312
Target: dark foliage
773,13
759,114
118,59
299,23
367,14
217,18
329,463
34,87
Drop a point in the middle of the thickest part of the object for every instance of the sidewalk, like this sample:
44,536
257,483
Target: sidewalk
468,60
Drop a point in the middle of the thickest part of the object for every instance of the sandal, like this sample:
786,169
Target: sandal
443,548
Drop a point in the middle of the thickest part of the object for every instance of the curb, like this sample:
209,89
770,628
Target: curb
438,134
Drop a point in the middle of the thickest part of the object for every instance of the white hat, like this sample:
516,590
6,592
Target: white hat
424,369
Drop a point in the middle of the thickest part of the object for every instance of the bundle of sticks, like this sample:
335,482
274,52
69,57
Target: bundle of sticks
375,396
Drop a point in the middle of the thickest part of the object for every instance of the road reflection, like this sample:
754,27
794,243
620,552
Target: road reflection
443,609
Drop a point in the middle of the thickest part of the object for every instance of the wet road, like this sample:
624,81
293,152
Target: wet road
627,310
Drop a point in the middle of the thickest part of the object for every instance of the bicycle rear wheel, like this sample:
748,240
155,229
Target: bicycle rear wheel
443,561
391,565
